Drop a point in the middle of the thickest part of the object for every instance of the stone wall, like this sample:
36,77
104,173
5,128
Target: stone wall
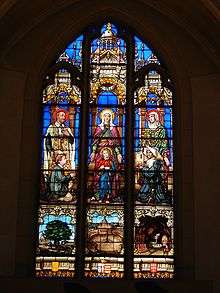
192,61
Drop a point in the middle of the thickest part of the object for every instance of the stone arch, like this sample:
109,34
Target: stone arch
31,76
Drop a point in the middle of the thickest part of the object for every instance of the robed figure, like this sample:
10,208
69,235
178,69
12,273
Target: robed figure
59,139
152,190
60,184
155,135
105,176
106,135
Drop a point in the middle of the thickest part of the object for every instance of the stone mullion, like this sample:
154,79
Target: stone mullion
82,200
129,165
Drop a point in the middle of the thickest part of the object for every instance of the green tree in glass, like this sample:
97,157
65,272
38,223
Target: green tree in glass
57,232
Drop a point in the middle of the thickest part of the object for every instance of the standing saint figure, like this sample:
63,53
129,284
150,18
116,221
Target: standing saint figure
106,135
155,134
105,177
59,138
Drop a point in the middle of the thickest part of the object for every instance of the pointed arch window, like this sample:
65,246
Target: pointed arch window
106,190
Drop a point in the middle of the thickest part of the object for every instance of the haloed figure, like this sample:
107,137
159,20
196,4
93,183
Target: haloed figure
152,190
105,176
107,135
59,138
155,134
107,140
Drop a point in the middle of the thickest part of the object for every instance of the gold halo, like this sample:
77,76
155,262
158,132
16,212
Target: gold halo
106,148
109,111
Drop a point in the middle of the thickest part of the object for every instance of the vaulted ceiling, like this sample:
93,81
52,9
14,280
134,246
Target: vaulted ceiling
198,18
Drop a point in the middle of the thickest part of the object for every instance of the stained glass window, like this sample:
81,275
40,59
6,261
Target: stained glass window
106,161
153,211
61,101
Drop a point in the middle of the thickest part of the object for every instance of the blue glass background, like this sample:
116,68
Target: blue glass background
113,218
106,100
73,51
64,218
47,121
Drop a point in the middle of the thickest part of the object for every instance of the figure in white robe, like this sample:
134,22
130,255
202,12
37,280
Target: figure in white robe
59,139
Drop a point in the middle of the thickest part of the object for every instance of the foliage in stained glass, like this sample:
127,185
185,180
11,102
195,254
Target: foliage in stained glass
113,92
56,230
61,102
56,241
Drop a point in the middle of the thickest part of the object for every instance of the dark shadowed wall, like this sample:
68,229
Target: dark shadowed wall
186,35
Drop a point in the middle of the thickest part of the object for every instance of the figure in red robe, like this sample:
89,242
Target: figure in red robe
106,136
